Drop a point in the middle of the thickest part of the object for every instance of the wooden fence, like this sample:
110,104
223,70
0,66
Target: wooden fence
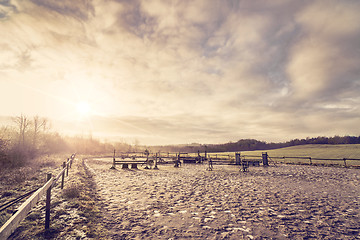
306,159
10,226
237,158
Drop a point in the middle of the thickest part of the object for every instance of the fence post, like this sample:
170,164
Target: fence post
344,161
63,176
47,207
177,162
310,161
238,159
156,157
113,166
67,168
265,159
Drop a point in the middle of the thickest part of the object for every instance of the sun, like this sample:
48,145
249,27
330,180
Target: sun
83,108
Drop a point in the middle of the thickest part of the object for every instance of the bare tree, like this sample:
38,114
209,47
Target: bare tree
22,125
20,150
136,144
39,124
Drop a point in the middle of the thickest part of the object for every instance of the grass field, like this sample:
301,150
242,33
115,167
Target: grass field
324,151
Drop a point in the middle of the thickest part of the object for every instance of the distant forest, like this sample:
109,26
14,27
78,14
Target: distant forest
27,138
252,144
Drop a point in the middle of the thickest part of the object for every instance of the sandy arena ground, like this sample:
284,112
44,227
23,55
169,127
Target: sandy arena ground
282,202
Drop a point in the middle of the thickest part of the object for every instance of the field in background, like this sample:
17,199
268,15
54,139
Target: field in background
324,151
315,151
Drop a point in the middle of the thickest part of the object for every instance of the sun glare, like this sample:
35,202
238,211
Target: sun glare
83,108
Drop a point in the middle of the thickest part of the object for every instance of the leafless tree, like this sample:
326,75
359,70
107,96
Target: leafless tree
136,144
22,126
39,124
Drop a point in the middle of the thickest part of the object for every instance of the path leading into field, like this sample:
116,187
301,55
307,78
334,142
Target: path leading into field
283,202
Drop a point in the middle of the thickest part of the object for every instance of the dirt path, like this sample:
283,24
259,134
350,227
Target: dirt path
283,202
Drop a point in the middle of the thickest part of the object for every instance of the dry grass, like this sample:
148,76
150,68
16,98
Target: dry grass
32,171
317,151
73,191
74,211
15,182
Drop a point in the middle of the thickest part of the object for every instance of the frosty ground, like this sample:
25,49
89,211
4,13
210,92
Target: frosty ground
279,202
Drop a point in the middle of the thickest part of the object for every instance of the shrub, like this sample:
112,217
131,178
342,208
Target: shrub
72,191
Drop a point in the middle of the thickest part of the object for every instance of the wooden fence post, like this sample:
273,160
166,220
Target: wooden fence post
310,161
63,176
238,158
47,207
156,157
265,159
344,161
113,166
67,168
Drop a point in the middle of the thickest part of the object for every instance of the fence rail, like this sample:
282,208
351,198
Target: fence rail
10,226
228,157
311,159
16,200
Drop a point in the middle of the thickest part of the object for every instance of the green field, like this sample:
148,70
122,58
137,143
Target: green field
314,151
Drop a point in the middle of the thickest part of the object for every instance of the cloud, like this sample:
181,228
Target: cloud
337,20
6,9
195,70
80,9
325,59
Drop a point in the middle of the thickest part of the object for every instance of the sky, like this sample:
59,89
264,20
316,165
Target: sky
168,72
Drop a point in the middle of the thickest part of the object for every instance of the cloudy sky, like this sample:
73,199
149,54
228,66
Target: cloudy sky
164,72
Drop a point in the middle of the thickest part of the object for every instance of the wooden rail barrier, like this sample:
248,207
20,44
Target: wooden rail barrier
125,164
311,159
236,159
10,226
128,158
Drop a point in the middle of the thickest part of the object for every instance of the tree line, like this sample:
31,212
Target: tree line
27,138
253,144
